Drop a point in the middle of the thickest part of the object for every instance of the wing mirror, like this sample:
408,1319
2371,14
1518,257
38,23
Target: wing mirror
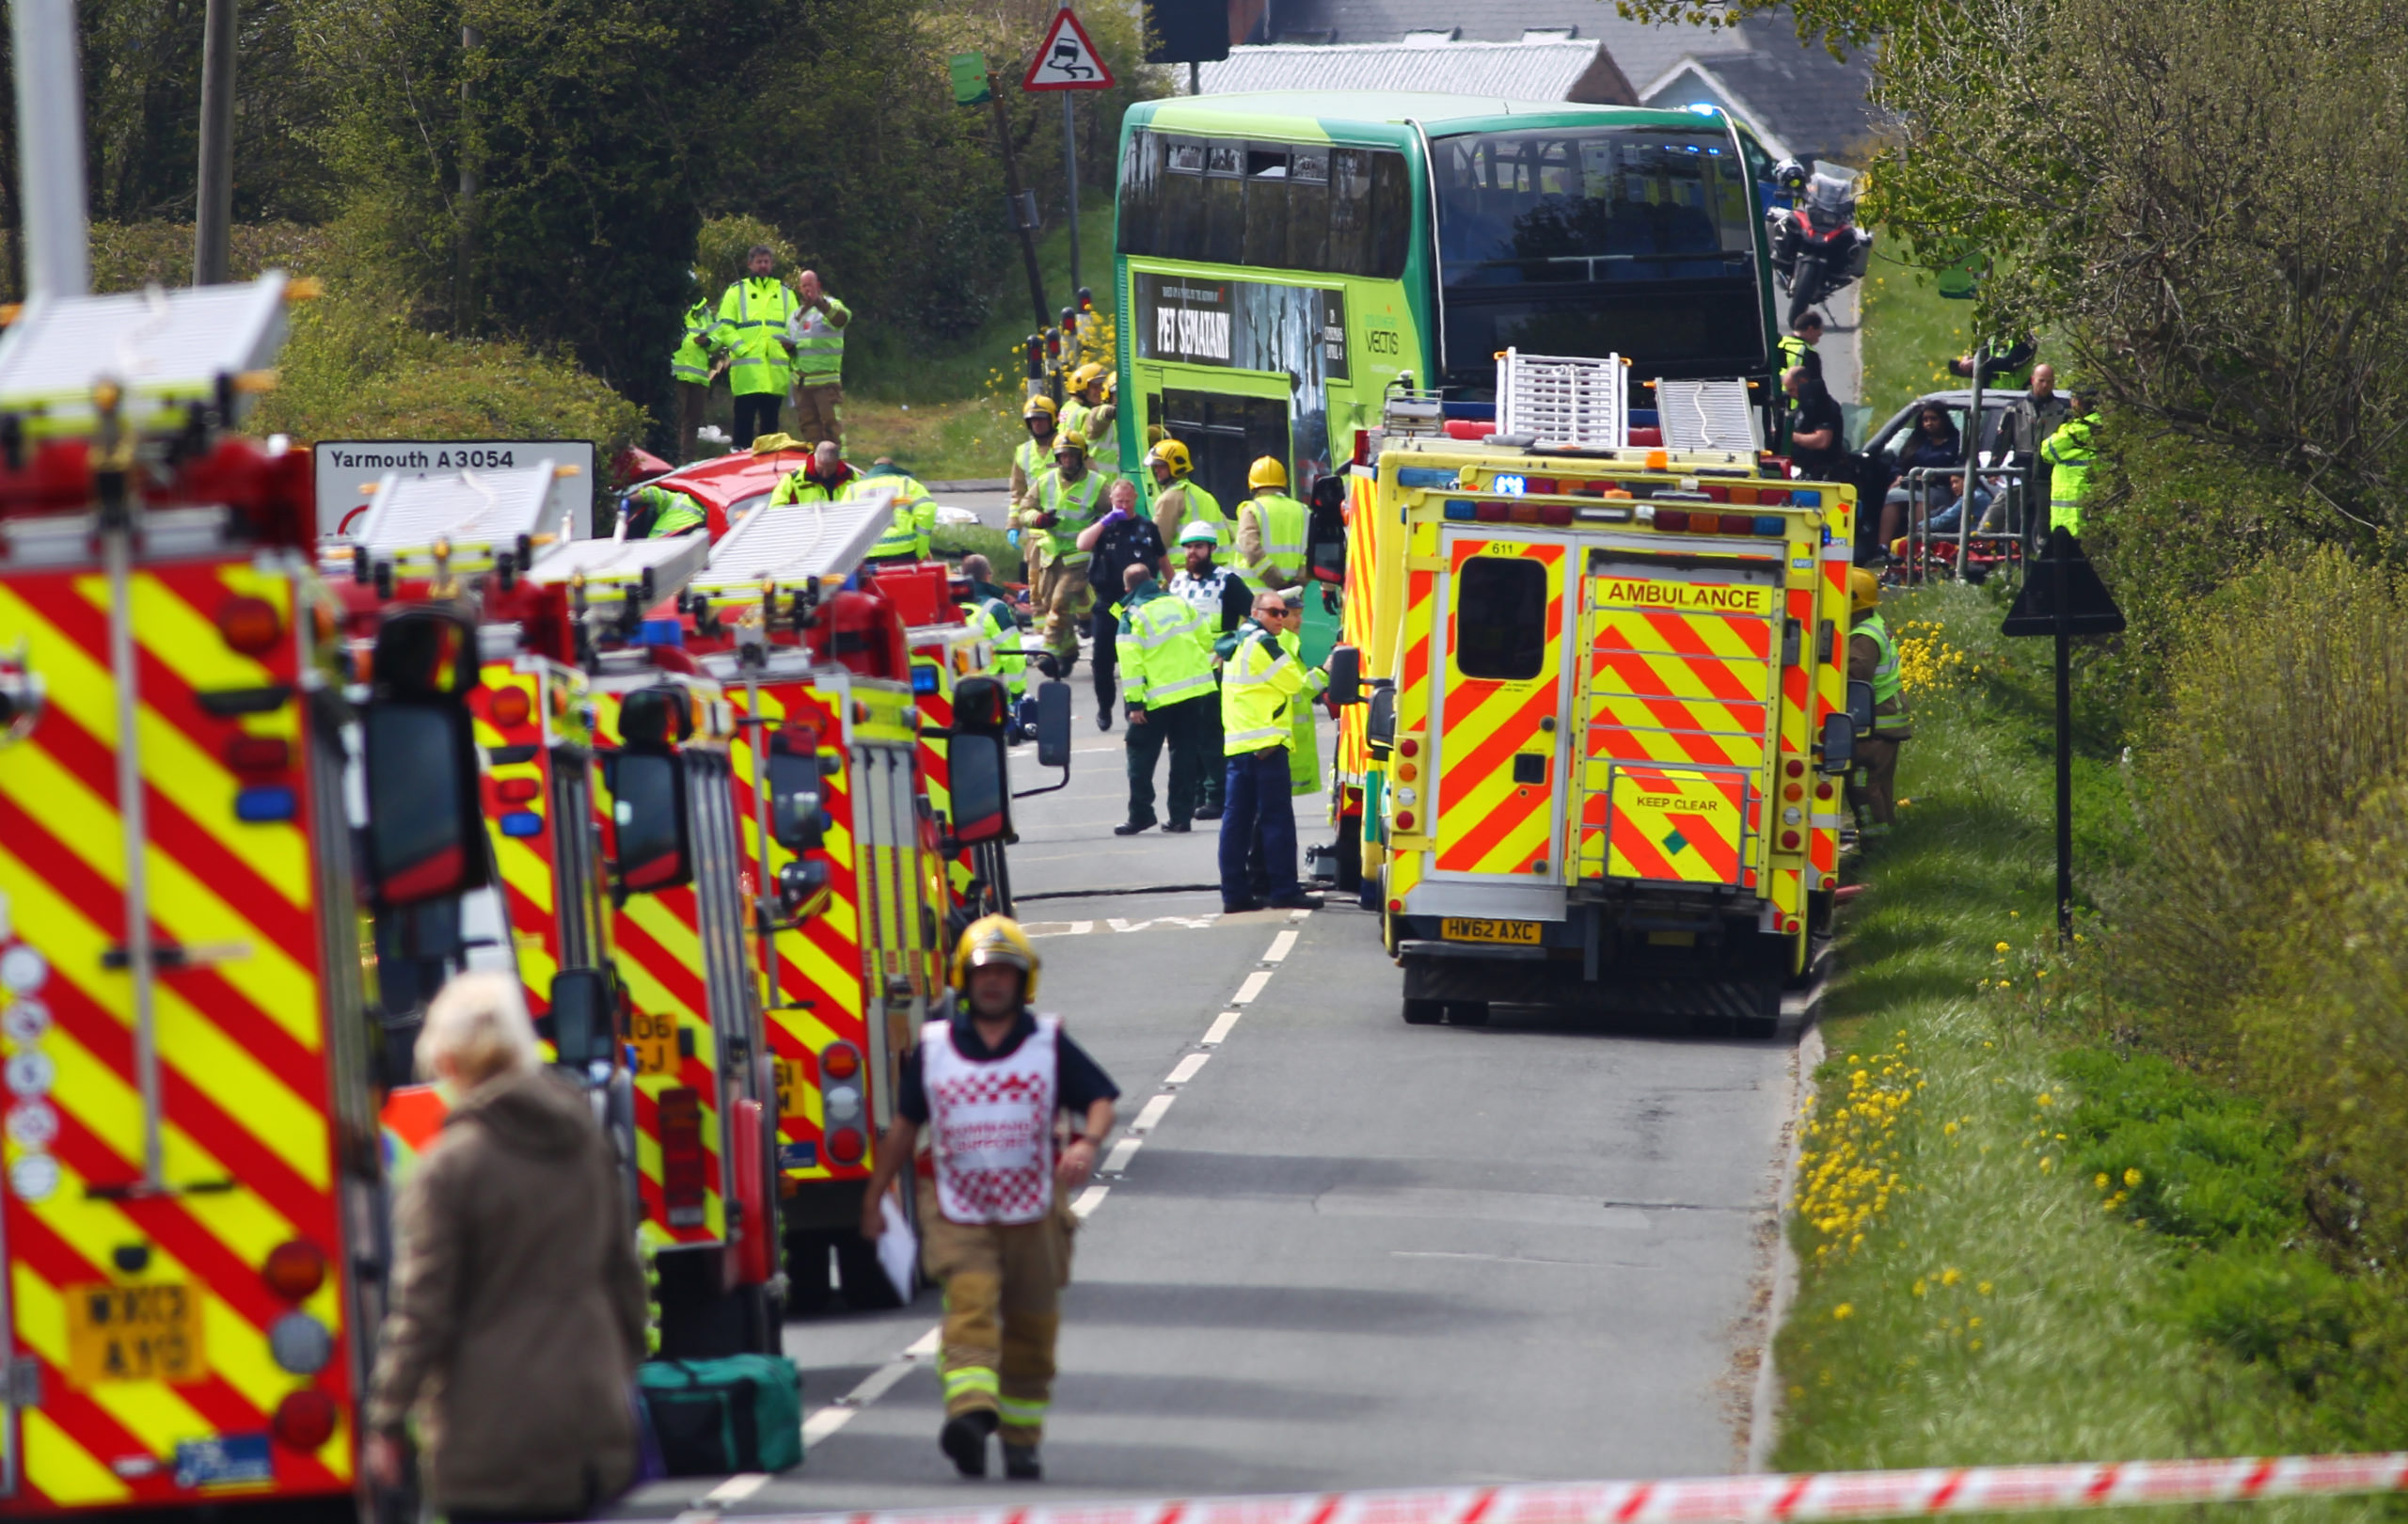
653,849
798,813
1345,669
799,883
1839,744
1860,706
1053,724
1379,724
582,1029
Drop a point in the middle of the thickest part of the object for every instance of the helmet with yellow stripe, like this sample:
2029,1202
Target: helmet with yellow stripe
991,941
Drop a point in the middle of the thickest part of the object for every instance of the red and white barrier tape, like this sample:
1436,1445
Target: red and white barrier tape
1737,1500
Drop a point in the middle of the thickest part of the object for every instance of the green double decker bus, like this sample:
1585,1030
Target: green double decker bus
1284,258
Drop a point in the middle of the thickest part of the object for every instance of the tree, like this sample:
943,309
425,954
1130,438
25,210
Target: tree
2202,201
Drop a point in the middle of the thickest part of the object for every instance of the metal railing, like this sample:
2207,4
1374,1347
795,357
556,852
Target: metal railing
1999,535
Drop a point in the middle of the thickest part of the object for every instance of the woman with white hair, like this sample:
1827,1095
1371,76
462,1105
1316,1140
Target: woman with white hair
517,1303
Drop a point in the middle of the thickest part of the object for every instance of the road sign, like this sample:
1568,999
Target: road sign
347,470
2063,596
969,73
2089,607
1067,59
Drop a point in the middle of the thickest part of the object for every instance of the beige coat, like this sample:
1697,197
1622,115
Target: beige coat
517,1308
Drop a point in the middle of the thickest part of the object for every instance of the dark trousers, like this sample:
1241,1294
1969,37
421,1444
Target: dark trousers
1213,790
1258,804
756,414
691,400
1180,727
1104,657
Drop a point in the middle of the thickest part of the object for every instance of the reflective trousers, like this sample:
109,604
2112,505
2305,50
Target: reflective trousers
1003,1308
1878,796
1258,804
1063,593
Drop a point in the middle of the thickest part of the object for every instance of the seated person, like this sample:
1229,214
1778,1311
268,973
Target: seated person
1946,516
1934,443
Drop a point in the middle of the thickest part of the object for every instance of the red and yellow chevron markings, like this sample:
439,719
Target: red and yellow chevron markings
816,983
1678,825
658,941
1488,821
248,1146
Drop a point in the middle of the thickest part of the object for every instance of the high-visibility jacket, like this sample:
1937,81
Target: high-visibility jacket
1885,671
752,327
2070,453
1101,425
673,513
992,618
1193,505
818,342
1282,521
1165,649
802,488
1074,417
1304,748
912,530
691,364
1258,683
1077,506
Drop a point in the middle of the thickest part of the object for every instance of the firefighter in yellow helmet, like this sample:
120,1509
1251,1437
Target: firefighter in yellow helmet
1271,529
1033,459
993,1189
1180,500
1873,657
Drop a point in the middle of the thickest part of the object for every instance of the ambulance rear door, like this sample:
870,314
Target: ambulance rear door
1496,800
1679,707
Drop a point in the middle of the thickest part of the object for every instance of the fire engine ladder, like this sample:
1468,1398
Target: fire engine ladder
116,370
612,576
782,550
776,555
1563,403
464,523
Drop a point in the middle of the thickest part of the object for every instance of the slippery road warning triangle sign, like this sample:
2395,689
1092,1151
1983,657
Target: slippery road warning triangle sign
1067,59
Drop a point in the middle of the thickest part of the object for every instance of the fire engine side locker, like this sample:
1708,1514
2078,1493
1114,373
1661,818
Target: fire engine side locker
257,996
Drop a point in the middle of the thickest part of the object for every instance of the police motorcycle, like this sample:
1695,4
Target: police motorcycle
1818,248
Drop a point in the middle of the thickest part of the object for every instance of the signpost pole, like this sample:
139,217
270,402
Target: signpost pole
1070,176
2065,745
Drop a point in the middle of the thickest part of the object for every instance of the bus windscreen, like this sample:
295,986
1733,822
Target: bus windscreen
1639,241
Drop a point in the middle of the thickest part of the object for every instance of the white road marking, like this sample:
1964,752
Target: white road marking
1088,1200
927,1344
737,1487
1251,988
1222,1026
820,1425
1116,1162
1080,928
1298,914
1280,947
1187,1069
1151,1116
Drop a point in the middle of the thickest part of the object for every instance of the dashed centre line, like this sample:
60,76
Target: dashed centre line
1222,1026
1251,988
1188,1069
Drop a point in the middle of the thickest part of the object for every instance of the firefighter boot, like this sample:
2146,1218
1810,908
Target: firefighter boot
1022,1464
963,1440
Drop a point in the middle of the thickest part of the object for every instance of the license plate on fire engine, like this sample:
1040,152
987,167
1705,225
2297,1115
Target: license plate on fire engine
150,1332
1514,933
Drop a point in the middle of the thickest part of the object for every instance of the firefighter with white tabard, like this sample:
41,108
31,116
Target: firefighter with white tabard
995,1215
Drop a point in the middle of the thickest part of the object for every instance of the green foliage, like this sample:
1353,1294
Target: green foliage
356,368
2002,1303
2286,703
955,541
725,244
1909,335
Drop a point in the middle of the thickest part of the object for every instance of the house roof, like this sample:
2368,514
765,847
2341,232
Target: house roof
1800,95
1552,70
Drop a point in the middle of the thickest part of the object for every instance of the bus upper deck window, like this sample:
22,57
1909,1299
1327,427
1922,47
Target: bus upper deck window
1500,618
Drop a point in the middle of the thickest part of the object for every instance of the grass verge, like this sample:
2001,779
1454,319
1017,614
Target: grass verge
2018,1248
1910,332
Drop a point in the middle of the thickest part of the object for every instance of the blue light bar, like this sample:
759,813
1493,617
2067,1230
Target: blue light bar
1462,508
1770,524
522,823
1425,476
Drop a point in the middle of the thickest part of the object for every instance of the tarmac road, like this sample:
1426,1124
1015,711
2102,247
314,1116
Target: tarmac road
1342,1252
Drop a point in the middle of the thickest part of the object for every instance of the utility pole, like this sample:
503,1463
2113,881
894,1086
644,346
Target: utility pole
213,203
1022,218
49,149
463,298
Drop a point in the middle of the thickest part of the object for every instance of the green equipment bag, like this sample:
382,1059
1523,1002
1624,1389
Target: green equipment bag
743,1413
